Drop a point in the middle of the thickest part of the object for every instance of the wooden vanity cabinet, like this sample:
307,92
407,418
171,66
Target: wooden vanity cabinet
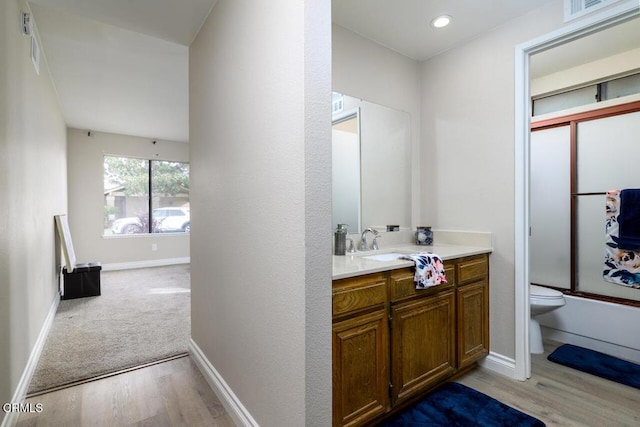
360,349
392,342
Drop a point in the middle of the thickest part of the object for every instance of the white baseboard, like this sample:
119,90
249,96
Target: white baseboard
229,400
11,418
495,362
145,264
500,364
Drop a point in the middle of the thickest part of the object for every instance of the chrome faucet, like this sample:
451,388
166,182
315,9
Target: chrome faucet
351,249
374,244
363,240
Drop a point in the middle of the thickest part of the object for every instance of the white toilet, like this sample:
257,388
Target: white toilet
541,300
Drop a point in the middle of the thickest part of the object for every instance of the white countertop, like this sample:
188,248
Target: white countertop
356,264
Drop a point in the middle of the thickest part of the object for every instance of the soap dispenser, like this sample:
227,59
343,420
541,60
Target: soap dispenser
340,242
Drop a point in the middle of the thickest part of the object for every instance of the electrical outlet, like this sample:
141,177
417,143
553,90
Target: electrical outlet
154,247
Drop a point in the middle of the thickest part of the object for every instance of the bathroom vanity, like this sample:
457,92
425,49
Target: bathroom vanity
392,342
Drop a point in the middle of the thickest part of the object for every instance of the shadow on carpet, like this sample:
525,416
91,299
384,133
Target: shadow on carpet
142,316
454,404
596,363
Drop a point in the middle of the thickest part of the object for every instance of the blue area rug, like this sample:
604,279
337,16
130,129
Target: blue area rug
454,404
596,363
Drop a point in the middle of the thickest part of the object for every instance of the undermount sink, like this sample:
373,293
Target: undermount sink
385,257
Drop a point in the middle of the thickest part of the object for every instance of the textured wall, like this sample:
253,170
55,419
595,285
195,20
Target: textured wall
33,184
260,246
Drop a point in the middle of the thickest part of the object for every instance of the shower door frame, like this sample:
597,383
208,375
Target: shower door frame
572,121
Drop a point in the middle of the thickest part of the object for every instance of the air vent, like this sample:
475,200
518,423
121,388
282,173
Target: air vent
337,103
26,23
576,8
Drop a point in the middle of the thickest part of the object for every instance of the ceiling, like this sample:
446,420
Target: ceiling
404,25
121,66
620,38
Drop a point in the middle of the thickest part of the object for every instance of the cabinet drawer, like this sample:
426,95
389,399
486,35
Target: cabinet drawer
450,272
473,269
402,285
358,293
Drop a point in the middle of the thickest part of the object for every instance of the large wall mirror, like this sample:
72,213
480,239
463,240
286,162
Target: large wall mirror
371,165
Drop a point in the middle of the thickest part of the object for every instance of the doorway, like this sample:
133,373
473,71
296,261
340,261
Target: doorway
603,21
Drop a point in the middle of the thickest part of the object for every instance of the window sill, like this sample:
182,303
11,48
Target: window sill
140,235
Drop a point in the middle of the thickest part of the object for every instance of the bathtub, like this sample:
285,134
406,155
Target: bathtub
602,326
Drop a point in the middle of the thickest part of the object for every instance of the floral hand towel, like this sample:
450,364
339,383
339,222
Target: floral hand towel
429,270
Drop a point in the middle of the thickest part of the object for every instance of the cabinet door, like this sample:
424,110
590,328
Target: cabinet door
360,368
473,322
422,343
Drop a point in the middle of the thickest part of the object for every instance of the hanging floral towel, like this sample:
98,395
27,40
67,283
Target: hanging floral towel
429,270
621,266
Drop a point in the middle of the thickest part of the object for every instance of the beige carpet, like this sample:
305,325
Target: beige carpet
142,316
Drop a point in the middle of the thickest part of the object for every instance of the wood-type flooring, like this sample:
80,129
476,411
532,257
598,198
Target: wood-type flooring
174,393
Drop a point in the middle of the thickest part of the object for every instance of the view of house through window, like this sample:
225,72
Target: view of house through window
145,196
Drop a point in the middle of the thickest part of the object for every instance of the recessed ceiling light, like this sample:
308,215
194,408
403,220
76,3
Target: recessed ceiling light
441,21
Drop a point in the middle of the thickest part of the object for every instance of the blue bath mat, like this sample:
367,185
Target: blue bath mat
596,363
457,405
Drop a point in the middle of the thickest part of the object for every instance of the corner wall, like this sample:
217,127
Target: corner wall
33,184
86,202
260,141
468,97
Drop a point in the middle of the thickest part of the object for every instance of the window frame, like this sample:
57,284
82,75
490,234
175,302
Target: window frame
149,229
600,89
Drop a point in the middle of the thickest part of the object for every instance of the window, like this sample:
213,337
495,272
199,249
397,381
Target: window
145,196
564,100
621,87
602,91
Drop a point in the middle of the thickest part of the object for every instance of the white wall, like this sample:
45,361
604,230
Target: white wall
364,69
260,129
610,66
33,184
468,149
369,71
86,202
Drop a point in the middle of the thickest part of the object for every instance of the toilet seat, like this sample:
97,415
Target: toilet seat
542,293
